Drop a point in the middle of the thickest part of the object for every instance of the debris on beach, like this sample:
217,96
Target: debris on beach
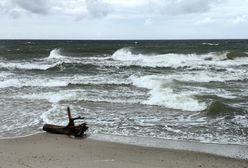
71,129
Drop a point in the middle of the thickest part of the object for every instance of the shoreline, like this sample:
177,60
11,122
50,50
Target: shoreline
233,151
48,150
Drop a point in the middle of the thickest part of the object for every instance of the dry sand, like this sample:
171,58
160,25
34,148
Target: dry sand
54,151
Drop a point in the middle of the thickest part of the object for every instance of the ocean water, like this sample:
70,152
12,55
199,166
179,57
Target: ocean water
194,90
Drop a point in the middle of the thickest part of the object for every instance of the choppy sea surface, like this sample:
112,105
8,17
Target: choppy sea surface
194,90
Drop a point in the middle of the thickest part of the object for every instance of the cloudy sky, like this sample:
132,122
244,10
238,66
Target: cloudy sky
123,19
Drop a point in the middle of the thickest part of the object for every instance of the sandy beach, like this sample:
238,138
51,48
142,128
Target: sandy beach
47,150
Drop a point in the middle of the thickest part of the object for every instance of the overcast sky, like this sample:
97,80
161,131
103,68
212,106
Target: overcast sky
123,19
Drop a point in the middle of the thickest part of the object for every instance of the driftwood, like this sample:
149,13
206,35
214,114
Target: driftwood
70,129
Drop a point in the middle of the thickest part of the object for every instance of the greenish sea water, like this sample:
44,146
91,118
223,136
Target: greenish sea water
180,89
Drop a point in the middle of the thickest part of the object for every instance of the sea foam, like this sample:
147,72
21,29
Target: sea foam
174,60
55,54
28,65
165,96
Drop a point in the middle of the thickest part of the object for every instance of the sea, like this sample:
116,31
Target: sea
192,90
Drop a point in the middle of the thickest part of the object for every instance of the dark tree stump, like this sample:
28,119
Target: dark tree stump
70,129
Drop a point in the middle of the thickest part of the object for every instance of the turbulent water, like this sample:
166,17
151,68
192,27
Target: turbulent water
190,90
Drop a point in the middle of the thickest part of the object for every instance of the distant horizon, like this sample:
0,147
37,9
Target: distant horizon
124,19
132,39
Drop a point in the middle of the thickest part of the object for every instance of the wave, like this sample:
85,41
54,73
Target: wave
196,77
209,76
165,96
55,54
73,67
126,58
39,64
79,95
54,61
173,60
27,65
210,44
219,109
236,54
4,75
26,81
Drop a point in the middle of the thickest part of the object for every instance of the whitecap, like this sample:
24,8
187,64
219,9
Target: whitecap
173,60
165,96
211,44
28,65
55,54
170,99
165,60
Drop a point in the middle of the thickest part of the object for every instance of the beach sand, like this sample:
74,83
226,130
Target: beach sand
58,151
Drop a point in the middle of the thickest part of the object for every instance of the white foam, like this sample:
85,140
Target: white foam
98,80
4,75
209,76
191,61
38,82
192,76
53,97
77,94
55,54
28,65
210,44
54,59
165,60
9,83
168,98
241,120
44,116
165,96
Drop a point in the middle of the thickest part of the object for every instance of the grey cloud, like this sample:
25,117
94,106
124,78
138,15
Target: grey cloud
178,7
76,8
80,9
97,8
33,6
7,7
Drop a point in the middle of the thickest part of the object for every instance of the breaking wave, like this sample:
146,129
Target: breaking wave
124,57
210,44
55,54
61,81
28,65
173,60
165,96
186,90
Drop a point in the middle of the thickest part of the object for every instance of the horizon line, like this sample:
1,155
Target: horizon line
125,39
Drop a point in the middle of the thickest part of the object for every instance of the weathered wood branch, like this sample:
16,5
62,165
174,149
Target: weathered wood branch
70,129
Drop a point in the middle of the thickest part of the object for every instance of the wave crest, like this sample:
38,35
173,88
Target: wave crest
166,60
214,60
218,109
55,53
165,96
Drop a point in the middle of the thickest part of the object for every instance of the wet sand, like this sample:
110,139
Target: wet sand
56,151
